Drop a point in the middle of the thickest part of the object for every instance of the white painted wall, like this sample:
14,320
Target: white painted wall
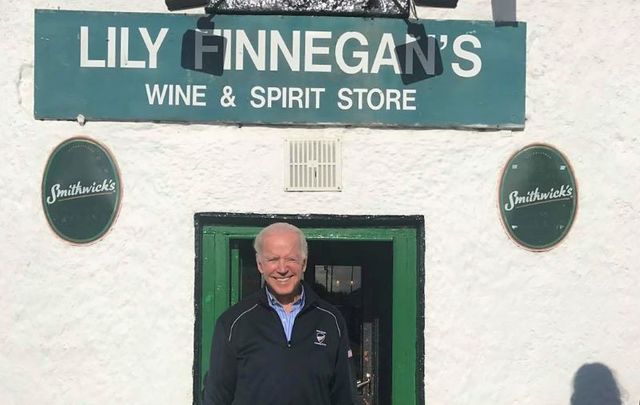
112,323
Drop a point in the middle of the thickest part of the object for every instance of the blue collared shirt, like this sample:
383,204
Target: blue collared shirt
287,318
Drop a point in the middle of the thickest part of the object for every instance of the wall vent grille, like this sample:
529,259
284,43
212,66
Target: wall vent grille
313,165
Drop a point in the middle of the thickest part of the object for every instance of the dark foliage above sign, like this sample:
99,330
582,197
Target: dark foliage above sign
381,8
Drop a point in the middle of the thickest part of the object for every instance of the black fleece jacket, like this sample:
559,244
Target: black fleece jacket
253,364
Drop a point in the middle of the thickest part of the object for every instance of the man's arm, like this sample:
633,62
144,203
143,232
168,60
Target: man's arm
343,389
220,381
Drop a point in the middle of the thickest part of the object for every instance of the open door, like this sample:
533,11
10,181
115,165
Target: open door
356,277
369,274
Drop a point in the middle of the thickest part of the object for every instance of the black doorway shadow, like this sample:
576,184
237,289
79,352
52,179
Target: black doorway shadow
414,70
212,61
594,384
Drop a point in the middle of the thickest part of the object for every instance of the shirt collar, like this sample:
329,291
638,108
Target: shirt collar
274,302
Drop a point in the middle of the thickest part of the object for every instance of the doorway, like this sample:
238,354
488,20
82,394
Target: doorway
373,274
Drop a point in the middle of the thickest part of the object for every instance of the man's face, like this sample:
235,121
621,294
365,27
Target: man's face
281,264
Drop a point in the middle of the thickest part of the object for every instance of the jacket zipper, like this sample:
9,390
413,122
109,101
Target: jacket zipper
284,335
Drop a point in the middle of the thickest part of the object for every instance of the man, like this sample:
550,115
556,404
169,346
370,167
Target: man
283,345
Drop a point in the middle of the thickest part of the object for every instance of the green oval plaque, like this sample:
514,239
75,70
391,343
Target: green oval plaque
81,190
538,197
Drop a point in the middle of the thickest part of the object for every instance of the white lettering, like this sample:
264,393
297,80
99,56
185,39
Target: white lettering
408,99
155,96
226,34
84,51
183,94
291,56
111,47
377,99
153,46
344,102
257,93
361,56
534,197
258,58
54,191
124,52
387,46
79,190
176,94
286,97
379,95
198,95
475,60
310,50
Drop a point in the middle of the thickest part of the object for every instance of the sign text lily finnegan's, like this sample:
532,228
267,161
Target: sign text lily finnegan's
298,58
533,197
278,69
60,193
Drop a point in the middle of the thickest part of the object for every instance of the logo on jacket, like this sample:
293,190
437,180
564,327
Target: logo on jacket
320,337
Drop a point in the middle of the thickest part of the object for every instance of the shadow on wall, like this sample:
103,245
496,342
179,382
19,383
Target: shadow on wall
594,384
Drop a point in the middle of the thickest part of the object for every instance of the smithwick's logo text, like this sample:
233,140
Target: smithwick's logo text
534,197
79,190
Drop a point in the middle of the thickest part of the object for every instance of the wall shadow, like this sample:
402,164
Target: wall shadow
594,384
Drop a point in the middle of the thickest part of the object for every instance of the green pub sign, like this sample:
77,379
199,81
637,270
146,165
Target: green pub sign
279,69
538,197
80,190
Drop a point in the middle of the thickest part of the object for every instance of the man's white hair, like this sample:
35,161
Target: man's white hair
281,226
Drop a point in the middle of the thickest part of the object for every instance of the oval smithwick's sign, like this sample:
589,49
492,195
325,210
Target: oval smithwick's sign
81,190
538,197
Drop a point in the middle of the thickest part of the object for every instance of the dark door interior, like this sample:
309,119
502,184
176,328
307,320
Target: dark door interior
356,277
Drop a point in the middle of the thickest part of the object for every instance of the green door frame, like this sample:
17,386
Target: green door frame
217,283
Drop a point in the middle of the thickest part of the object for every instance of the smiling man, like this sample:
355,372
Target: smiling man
283,345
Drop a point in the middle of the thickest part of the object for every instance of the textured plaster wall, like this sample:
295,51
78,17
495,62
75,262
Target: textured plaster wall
112,323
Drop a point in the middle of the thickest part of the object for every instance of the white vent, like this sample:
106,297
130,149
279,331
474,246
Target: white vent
312,165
